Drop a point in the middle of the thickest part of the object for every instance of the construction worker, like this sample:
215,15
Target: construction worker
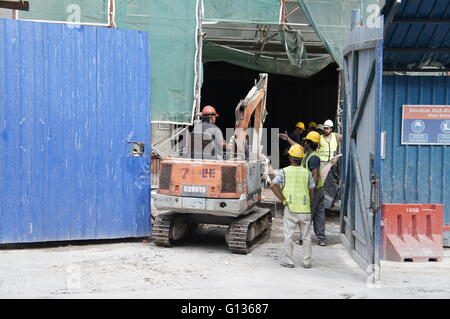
312,163
319,129
294,187
311,127
298,133
329,142
212,141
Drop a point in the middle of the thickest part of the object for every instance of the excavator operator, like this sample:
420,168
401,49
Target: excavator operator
212,139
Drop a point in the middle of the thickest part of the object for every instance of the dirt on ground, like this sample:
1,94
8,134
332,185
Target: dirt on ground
202,267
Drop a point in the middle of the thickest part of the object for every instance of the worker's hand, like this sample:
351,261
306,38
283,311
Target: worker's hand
284,136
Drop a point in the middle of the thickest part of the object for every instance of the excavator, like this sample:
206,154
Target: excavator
195,190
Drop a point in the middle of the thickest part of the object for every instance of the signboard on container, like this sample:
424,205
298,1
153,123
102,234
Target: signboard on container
426,125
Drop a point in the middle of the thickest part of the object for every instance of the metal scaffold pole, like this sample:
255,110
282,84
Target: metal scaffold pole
198,59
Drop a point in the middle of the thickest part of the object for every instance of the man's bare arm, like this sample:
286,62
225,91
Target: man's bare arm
284,136
339,137
311,193
277,191
315,174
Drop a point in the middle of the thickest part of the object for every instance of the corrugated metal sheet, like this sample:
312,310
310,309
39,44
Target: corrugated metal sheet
70,101
419,35
414,173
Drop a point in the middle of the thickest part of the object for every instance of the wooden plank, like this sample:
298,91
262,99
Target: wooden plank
362,103
363,45
362,200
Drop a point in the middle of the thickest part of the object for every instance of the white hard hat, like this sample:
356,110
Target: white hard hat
319,127
328,123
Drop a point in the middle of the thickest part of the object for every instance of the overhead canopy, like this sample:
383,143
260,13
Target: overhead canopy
250,33
417,35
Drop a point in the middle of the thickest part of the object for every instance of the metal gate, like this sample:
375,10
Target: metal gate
360,212
72,102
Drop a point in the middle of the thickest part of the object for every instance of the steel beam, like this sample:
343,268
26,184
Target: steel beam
15,5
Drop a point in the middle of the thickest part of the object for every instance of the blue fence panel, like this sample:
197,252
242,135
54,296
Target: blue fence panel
417,174
71,100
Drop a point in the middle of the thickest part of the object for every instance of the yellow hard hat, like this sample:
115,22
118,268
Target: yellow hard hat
300,125
312,124
296,151
313,137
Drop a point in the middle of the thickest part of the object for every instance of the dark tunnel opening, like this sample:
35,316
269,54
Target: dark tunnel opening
289,100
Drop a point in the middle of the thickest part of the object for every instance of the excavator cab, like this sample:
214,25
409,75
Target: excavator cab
223,190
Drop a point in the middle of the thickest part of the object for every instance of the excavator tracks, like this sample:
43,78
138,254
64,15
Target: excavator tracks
245,232
238,235
162,229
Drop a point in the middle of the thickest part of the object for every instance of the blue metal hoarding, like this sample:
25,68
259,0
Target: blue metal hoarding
417,39
414,174
71,101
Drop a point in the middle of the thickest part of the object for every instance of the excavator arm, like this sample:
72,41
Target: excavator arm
252,107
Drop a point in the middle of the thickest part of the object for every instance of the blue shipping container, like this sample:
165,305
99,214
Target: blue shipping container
71,101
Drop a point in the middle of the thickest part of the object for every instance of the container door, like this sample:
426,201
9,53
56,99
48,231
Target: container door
360,212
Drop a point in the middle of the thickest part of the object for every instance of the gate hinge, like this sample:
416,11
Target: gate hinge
374,193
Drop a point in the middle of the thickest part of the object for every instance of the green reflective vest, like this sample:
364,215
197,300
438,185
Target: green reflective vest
305,163
296,189
328,149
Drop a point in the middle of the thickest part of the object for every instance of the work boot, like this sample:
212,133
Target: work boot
288,265
307,266
300,242
322,243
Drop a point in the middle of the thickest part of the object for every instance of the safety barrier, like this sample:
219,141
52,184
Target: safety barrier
412,232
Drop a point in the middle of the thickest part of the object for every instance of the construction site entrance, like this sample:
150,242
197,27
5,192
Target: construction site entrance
289,100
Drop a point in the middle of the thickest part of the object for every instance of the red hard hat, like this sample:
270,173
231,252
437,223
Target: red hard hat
209,110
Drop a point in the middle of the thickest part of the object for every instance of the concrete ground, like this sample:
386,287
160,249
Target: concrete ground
202,267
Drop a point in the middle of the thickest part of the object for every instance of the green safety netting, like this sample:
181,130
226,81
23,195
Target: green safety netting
307,67
4,13
66,10
243,11
332,20
172,27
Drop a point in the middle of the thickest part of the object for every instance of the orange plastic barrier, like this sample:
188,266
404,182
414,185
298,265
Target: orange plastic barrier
412,232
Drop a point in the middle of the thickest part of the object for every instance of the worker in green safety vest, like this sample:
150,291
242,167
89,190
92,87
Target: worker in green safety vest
312,162
294,187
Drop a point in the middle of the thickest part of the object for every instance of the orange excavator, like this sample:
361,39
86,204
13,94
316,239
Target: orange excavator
193,190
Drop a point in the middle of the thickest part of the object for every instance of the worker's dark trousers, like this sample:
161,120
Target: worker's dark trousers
318,214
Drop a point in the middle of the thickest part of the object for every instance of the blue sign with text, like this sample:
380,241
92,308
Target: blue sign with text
426,125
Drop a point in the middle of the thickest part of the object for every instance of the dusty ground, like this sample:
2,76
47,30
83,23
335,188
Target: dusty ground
202,267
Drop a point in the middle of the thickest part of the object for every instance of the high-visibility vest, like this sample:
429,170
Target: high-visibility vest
305,163
328,149
296,189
